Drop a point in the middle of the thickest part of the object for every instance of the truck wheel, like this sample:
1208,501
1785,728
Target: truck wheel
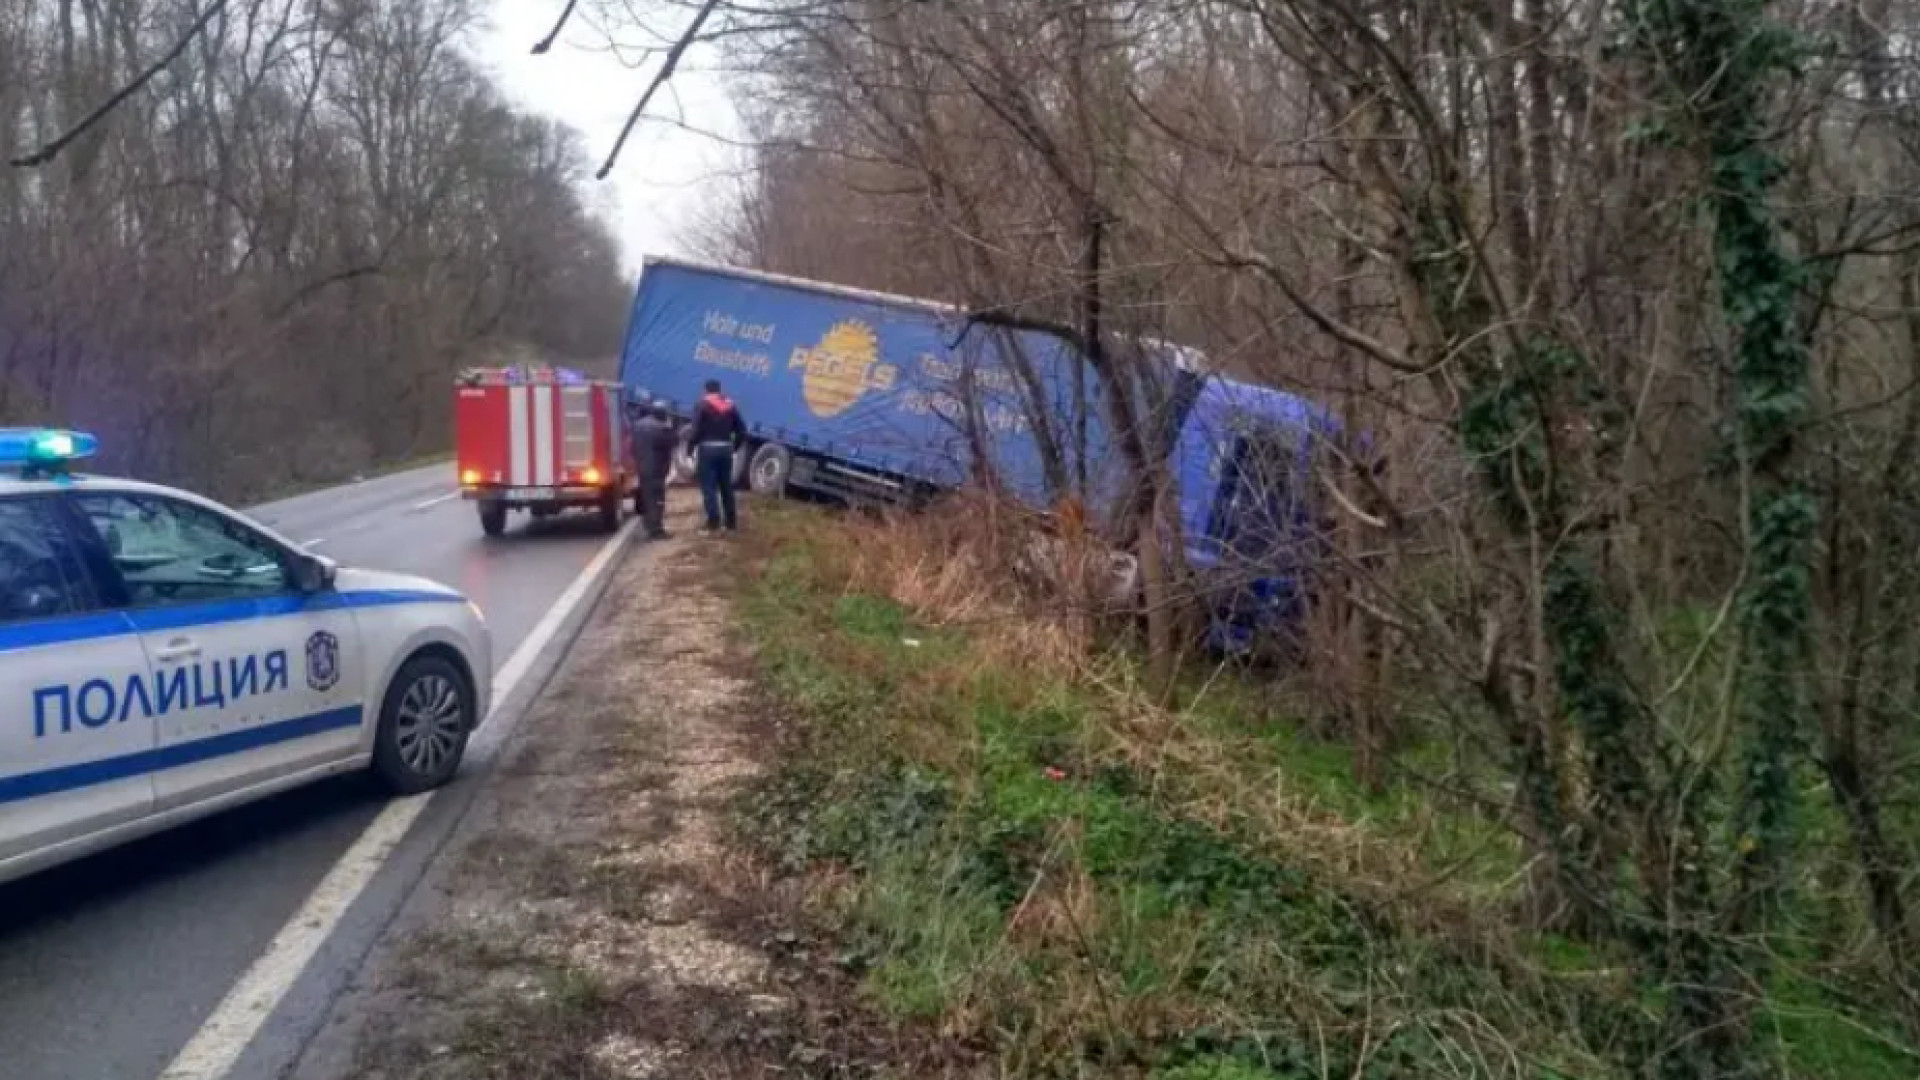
493,518
424,724
771,466
610,511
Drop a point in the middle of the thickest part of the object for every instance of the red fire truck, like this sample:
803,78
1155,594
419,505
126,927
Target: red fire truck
541,439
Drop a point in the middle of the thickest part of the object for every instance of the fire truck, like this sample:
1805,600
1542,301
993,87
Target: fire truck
541,439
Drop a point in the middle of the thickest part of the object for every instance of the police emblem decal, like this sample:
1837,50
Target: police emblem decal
323,661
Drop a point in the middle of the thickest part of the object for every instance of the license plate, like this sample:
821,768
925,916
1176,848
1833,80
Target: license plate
530,494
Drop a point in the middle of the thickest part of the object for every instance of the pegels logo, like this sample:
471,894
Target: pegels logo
841,368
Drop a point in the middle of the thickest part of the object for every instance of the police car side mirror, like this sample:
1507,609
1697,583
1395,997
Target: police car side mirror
312,573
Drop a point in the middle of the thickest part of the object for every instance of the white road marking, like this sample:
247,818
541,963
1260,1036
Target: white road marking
214,1049
436,500
515,669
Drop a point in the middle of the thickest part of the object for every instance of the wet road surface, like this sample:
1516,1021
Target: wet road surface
110,965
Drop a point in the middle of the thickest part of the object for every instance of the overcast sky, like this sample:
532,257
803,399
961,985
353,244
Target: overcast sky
667,175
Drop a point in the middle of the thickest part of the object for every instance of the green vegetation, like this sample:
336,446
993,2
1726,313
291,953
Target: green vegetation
1013,856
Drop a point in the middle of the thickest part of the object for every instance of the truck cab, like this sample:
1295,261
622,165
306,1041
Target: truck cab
1245,459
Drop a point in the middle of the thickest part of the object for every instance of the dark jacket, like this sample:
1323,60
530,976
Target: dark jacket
717,420
653,445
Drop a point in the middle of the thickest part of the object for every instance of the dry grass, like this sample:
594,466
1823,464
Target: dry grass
1158,880
948,568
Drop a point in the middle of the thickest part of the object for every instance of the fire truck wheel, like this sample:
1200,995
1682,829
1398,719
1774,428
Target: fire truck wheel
493,518
610,511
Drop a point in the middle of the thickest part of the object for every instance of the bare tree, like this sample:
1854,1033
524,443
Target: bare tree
1628,297
252,240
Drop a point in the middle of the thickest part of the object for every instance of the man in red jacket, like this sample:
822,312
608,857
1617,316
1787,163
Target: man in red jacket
718,432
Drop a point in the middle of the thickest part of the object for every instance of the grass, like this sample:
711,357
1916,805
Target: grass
1022,856
1012,868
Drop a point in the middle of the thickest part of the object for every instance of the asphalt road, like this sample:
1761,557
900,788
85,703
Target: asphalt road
109,966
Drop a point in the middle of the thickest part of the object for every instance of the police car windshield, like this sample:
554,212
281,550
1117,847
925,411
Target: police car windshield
167,550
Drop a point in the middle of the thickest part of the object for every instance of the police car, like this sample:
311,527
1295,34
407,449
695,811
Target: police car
163,658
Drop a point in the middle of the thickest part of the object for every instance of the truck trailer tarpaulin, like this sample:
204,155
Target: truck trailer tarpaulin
875,382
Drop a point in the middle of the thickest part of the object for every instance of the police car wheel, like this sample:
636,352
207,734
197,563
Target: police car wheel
424,724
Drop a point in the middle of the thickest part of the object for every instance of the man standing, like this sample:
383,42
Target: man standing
718,432
653,447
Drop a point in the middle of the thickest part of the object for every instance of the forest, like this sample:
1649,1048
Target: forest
250,243
1627,294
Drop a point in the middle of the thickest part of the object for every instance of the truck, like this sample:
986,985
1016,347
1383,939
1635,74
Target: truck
867,396
541,439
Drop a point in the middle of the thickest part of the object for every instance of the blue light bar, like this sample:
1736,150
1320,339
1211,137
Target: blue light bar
49,450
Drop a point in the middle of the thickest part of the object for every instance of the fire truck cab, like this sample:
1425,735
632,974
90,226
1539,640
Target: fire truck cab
541,439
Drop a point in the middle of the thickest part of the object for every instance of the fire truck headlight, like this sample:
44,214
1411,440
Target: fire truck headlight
591,475
470,477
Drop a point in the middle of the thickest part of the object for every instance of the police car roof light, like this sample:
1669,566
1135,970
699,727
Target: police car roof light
44,450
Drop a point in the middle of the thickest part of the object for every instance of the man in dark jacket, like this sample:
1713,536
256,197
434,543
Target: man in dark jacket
653,446
718,432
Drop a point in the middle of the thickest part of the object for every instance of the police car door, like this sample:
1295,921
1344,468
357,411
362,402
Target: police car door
72,756
252,680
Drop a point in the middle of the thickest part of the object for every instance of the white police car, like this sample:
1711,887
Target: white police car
163,658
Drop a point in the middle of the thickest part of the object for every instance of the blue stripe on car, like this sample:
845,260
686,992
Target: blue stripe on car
96,625
60,631
87,774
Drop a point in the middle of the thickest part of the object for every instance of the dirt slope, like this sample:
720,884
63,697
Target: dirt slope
592,918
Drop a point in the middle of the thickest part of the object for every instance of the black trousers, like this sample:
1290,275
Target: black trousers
715,463
650,501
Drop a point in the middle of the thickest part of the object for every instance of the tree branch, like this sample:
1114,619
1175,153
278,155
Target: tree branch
52,150
540,47
659,79
341,277
1013,321
1351,336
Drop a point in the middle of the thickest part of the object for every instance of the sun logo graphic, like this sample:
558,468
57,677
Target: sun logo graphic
841,368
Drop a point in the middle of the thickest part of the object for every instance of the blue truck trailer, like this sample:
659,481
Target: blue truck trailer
863,395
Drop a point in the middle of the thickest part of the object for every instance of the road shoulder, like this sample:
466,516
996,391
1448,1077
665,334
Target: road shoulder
593,917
